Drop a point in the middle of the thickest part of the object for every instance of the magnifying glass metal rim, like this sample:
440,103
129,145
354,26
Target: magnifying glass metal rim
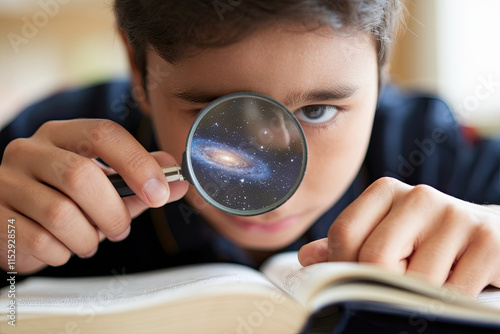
191,176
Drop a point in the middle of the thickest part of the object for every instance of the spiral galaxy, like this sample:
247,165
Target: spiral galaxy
221,158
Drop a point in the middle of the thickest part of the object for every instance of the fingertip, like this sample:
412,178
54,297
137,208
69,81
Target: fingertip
313,252
122,235
178,190
89,255
175,190
156,192
302,255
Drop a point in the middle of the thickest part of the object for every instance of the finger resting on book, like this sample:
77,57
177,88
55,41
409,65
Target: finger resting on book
314,252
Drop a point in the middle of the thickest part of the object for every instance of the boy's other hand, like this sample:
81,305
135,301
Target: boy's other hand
60,197
417,230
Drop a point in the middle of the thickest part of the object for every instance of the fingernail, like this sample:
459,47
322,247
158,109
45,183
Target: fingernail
155,191
86,256
122,236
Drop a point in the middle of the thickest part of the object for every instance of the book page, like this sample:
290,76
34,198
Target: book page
281,265
122,292
490,296
282,269
285,271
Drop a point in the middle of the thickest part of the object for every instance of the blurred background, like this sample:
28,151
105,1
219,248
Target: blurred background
450,48
48,48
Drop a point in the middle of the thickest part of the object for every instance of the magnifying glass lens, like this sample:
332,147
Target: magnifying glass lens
246,154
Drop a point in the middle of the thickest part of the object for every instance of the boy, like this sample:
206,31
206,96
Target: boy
325,61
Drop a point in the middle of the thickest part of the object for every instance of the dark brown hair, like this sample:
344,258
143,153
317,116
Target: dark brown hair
174,28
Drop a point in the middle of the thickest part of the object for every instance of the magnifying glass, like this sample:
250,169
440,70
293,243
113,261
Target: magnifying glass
246,154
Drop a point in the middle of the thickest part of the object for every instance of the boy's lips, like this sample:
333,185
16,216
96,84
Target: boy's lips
263,226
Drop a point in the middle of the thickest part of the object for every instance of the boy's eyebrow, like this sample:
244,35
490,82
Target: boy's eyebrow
313,96
193,96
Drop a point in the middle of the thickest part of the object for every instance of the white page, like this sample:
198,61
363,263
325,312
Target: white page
490,296
125,292
284,271
279,266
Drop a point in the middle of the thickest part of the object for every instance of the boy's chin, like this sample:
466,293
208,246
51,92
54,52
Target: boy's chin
259,244
261,240
267,232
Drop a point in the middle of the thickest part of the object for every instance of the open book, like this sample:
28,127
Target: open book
234,299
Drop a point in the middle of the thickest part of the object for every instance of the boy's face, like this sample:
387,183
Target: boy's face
338,73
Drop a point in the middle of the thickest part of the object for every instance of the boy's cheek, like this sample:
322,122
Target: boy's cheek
335,158
331,169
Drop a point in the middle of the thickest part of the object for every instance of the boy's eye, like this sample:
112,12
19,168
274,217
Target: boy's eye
316,113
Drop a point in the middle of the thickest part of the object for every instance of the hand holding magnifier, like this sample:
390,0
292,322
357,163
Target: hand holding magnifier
245,154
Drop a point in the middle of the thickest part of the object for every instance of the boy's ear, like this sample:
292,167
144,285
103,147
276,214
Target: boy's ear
137,87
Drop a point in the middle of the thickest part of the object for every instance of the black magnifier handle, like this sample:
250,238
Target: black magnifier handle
172,173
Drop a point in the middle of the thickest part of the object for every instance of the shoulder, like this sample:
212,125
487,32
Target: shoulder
399,107
411,132
416,139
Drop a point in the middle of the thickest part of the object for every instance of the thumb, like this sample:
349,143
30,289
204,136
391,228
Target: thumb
177,189
314,252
